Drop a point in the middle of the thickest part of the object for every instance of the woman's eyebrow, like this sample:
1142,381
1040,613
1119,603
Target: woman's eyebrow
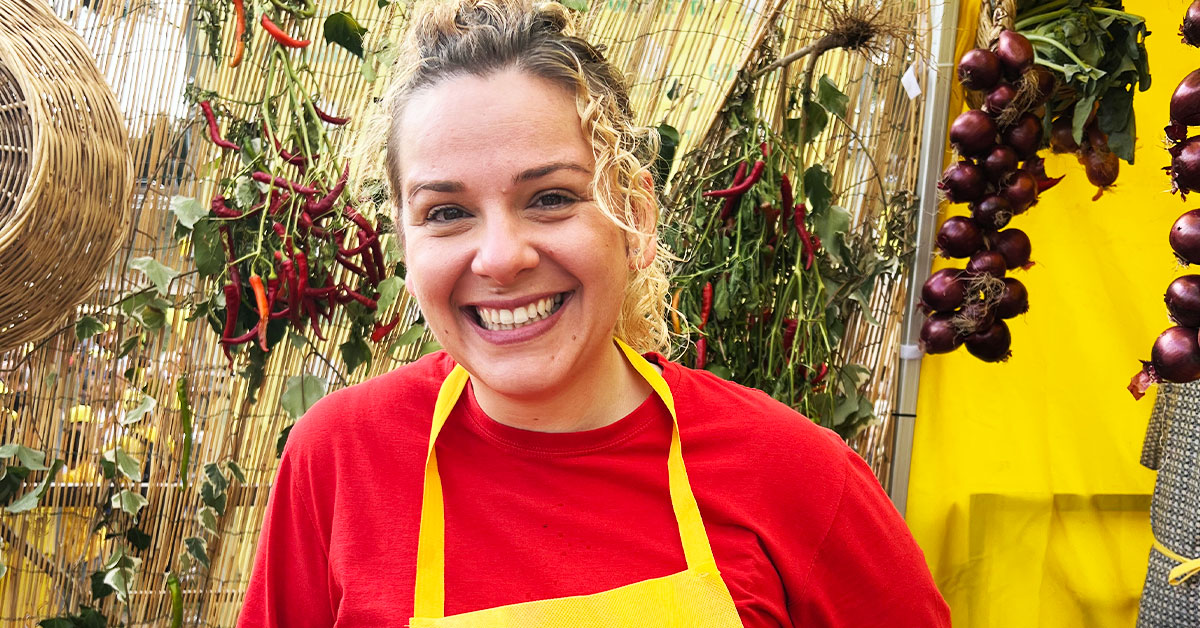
436,186
541,171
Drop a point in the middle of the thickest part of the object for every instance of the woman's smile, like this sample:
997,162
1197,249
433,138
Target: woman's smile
517,320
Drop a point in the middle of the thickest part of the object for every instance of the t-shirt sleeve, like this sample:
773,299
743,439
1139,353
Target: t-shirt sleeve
868,571
289,586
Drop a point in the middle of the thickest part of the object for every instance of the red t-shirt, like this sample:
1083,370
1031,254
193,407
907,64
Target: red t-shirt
801,530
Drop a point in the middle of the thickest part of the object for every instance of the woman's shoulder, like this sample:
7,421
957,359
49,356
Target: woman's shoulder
401,399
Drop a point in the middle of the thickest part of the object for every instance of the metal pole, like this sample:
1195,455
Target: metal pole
943,18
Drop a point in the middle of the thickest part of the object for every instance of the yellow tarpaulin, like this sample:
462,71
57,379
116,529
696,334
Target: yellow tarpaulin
1026,493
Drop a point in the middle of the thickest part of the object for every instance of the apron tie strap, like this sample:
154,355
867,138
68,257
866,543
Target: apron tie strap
1186,568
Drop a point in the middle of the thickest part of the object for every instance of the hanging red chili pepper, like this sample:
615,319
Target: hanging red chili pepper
283,38
706,297
233,301
239,31
741,188
701,352
382,331
732,201
280,182
264,312
220,210
807,249
821,373
214,132
334,120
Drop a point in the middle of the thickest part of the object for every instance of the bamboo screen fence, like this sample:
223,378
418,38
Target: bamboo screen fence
67,397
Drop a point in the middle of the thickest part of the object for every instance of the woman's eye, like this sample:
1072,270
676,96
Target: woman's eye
446,214
553,200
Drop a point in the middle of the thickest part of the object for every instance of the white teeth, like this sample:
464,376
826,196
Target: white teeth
504,320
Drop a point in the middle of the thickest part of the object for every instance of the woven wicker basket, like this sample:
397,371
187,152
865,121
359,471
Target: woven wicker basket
65,172
994,16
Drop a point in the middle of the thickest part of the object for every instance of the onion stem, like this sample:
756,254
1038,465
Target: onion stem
1047,8
1065,50
1046,17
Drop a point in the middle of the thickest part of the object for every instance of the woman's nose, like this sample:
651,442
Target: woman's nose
504,250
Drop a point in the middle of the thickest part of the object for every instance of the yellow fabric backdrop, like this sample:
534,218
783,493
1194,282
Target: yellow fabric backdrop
1026,493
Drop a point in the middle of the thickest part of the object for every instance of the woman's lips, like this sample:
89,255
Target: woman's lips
496,331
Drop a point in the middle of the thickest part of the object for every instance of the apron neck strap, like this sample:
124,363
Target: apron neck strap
431,545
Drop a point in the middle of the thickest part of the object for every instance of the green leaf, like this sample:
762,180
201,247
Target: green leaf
56,622
668,145
430,346
128,345
815,121
121,576
100,588
575,5
161,276
207,249
367,69
355,352
29,500
389,289
410,335
235,471
126,464
86,327
245,192
214,476
197,547
187,210
207,516
282,440
146,405
137,538
818,187
300,393
129,501
342,29
31,459
212,497
382,3
831,97
830,226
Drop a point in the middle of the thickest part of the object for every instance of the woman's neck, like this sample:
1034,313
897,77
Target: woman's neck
593,399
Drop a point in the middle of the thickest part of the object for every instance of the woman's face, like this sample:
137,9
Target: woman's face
517,272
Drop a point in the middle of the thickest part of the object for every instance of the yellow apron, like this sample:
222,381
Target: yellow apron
694,598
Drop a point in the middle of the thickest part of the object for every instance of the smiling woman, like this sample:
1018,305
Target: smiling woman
517,478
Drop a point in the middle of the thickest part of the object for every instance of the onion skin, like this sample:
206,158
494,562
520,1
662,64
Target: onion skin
973,133
979,69
993,212
1185,166
1102,168
944,291
1014,246
999,99
1176,355
1014,301
1000,162
1185,102
1025,136
1021,192
963,182
1183,300
939,334
987,263
1015,53
1062,137
992,344
1185,237
1190,30
1046,83
959,236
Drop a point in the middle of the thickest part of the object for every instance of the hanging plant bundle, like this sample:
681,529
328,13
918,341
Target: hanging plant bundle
998,176
1175,356
1096,51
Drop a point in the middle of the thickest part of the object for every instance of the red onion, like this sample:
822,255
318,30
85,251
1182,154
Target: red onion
975,316
1176,132
963,182
1176,355
979,69
1185,237
1190,31
944,291
987,263
1185,166
1014,301
973,133
1000,162
1183,300
1102,168
991,344
959,236
939,334
1025,135
1013,245
993,212
1062,137
1021,191
999,99
1046,82
1015,53
1185,102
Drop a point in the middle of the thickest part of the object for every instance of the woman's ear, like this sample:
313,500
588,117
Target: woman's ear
645,243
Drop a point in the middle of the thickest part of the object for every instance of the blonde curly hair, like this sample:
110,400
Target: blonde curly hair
481,37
